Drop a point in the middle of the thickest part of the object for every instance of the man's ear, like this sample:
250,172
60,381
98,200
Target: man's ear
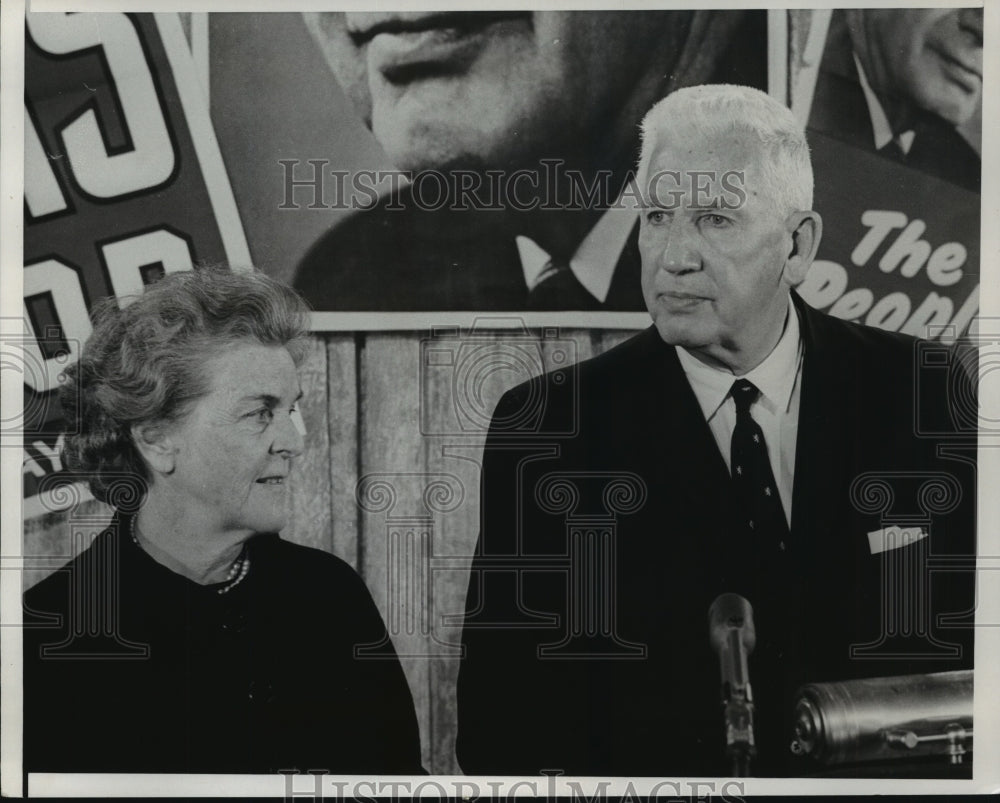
154,444
806,229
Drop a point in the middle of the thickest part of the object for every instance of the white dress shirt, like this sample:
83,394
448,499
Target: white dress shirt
776,410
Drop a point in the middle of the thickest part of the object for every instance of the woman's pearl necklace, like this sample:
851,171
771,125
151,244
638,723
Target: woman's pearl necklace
239,569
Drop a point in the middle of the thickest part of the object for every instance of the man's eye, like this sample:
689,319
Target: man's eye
264,415
656,216
715,220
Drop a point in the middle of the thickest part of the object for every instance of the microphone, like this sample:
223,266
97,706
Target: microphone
732,636
885,718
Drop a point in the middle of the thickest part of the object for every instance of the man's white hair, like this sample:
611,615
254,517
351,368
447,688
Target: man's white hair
719,109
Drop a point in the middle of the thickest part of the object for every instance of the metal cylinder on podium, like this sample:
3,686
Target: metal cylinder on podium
876,719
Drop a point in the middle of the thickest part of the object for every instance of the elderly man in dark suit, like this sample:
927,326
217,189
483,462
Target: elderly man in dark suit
521,129
744,443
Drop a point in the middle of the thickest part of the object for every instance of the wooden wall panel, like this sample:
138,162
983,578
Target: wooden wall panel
392,466
602,340
54,538
456,398
310,496
341,403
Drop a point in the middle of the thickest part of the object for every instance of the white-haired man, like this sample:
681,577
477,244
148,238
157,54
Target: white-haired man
728,448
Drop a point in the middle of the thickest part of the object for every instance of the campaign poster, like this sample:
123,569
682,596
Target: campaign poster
123,182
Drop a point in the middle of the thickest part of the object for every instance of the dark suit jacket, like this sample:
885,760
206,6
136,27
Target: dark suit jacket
615,453
839,109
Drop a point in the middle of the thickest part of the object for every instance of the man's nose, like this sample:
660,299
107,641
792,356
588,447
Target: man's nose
679,254
971,20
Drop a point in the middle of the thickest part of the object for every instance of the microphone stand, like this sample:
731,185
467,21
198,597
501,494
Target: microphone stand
738,712
732,636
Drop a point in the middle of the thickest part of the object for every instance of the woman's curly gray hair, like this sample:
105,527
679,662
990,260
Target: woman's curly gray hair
145,364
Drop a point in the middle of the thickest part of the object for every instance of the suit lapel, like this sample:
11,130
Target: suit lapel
688,453
688,514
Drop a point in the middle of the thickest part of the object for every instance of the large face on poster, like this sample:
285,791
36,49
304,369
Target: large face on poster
511,135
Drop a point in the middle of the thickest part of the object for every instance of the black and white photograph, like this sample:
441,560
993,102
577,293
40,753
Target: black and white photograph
485,401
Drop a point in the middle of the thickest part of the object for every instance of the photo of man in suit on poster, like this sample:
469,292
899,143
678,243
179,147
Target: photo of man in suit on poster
520,130
900,81
895,125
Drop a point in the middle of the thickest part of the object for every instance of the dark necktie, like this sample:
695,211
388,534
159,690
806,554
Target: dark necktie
768,579
558,289
753,481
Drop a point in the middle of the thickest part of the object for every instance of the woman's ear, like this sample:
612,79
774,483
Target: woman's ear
154,444
806,229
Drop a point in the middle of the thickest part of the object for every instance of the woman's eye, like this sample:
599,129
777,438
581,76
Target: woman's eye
716,220
656,216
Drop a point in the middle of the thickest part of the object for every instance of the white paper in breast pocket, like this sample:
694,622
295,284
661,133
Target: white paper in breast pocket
889,538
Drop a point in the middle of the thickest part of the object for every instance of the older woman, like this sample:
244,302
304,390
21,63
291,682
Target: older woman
189,637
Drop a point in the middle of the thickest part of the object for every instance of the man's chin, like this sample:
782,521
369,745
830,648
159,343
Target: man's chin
425,150
420,135
674,333
960,115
